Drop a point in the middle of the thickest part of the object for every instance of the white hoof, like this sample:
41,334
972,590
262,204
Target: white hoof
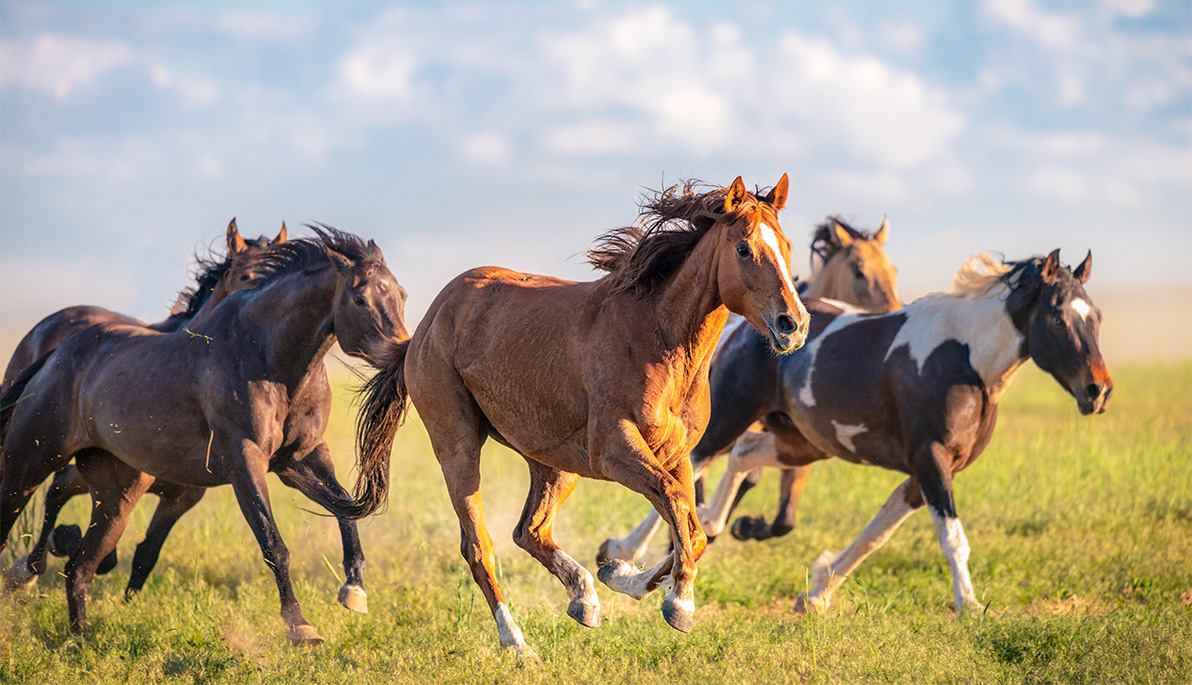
304,635
622,576
354,597
20,578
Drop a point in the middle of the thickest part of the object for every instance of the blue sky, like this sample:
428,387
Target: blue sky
458,134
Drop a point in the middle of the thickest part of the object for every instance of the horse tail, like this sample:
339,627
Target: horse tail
12,396
383,403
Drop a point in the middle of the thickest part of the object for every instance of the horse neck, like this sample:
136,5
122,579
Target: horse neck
825,283
689,309
996,349
297,311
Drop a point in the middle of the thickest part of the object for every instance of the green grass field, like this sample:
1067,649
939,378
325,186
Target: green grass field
1081,531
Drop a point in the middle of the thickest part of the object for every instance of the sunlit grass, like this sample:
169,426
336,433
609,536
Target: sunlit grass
1081,529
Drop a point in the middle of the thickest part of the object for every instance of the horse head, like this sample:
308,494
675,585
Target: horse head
855,267
753,266
369,309
1060,324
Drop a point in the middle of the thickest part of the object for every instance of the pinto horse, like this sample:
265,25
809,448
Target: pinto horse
849,266
916,391
612,384
215,281
225,401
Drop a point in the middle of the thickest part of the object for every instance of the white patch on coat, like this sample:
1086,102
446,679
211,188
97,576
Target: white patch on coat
845,434
1082,308
511,635
981,323
770,238
844,307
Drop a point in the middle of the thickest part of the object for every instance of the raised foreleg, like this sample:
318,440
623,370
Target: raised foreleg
66,485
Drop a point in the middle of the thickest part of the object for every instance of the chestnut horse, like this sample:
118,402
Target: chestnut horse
605,379
916,391
216,279
225,401
849,266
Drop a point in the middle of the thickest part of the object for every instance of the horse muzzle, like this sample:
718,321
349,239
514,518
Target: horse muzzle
1093,398
786,333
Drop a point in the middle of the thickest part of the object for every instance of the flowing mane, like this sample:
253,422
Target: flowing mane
670,224
983,272
823,240
302,253
209,271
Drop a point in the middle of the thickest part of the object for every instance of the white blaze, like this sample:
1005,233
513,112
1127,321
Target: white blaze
770,238
1082,308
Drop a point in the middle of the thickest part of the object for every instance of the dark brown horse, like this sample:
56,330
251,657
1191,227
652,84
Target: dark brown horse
916,391
849,266
223,402
217,278
604,379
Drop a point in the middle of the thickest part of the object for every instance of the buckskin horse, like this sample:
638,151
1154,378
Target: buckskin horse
917,391
612,384
225,402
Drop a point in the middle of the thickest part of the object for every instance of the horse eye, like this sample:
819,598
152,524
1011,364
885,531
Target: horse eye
857,272
359,300
743,251
1056,320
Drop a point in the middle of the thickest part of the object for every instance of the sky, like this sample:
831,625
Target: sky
458,134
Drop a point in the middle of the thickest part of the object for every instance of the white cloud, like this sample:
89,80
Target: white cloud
486,148
903,36
879,113
264,26
59,64
1058,183
1052,30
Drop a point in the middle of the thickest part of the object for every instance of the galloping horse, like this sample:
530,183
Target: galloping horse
916,391
215,281
612,383
852,267
228,400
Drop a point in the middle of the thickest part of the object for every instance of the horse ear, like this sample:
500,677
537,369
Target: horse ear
342,263
1085,269
843,239
1051,267
777,195
735,196
236,243
281,235
374,251
883,232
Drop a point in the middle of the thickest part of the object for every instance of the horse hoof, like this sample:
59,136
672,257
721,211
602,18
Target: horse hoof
805,606
354,598
65,540
304,635
604,555
20,577
681,618
618,576
586,614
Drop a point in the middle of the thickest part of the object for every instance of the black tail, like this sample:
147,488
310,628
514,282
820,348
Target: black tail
382,412
10,399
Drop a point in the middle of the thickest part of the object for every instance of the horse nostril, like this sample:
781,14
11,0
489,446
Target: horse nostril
786,325
1094,391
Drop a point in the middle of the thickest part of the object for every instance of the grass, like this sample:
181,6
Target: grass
1081,529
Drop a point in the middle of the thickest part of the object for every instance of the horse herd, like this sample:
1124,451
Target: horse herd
634,377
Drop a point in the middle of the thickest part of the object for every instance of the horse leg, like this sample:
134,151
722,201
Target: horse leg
23,574
26,459
934,474
252,494
796,456
175,501
751,452
633,546
830,569
115,490
314,476
548,488
631,462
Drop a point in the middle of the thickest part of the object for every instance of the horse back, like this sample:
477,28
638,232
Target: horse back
51,331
